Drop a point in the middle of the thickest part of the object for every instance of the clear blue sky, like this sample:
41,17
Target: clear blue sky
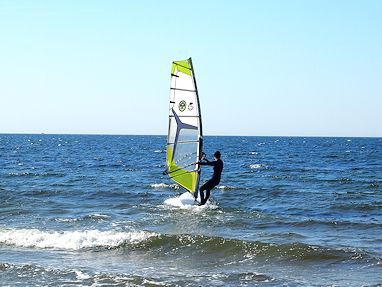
300,68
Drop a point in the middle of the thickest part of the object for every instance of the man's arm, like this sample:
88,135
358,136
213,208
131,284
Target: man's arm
207,162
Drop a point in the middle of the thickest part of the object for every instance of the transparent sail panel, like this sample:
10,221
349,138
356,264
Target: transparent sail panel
188,135
185,155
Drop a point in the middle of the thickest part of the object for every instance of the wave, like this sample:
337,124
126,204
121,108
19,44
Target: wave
342,180
71,240
35,174
94,217
251,250
335,223
168,244
358,206
37,275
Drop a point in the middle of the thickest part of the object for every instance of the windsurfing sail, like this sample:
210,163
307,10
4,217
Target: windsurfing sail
184,141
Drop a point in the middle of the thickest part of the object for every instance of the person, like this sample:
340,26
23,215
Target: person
214,181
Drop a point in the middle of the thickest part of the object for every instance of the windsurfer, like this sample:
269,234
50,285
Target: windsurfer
214,181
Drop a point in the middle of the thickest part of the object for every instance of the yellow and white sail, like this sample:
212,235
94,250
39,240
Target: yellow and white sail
184,141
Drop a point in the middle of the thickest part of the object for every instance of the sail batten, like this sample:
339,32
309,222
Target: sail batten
184,142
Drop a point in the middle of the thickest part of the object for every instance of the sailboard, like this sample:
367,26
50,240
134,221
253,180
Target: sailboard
185,137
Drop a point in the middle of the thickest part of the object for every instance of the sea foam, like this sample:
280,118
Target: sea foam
256,166
71,240
164,185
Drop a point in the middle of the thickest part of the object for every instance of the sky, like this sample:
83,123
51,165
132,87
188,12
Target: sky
263,68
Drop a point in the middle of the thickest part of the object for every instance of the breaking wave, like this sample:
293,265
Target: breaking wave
168,244
71,240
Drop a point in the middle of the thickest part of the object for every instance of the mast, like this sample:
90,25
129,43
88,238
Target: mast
200,123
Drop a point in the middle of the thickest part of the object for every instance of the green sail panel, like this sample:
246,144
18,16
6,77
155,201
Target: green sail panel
184,141
181,66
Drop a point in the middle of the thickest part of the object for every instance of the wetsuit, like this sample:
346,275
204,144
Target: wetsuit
214,181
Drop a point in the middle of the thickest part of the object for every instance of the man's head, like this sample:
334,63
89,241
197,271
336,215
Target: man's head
217,154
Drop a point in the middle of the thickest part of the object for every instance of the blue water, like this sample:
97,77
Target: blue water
80,210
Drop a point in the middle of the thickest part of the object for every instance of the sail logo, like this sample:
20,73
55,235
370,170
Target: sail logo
182,106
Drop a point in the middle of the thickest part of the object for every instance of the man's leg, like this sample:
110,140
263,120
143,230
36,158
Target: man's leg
201,197
201,191
207,186
208,189
208,192
204,200
201,194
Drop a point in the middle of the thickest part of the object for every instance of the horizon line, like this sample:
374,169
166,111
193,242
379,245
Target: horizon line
210,135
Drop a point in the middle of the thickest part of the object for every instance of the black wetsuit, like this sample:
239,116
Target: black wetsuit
214,181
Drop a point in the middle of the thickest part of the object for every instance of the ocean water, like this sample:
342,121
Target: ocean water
79,210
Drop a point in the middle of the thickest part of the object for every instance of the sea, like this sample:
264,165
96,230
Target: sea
92,210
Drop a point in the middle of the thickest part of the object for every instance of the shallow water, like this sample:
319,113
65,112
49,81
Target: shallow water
90,211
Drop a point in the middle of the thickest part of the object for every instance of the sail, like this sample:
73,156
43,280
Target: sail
184,141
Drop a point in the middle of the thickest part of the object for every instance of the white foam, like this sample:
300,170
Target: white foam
163,185
256,166
176,202
159,185
226,187
95,216
81,275
186,201
151,282
98,216
67,219
71,240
